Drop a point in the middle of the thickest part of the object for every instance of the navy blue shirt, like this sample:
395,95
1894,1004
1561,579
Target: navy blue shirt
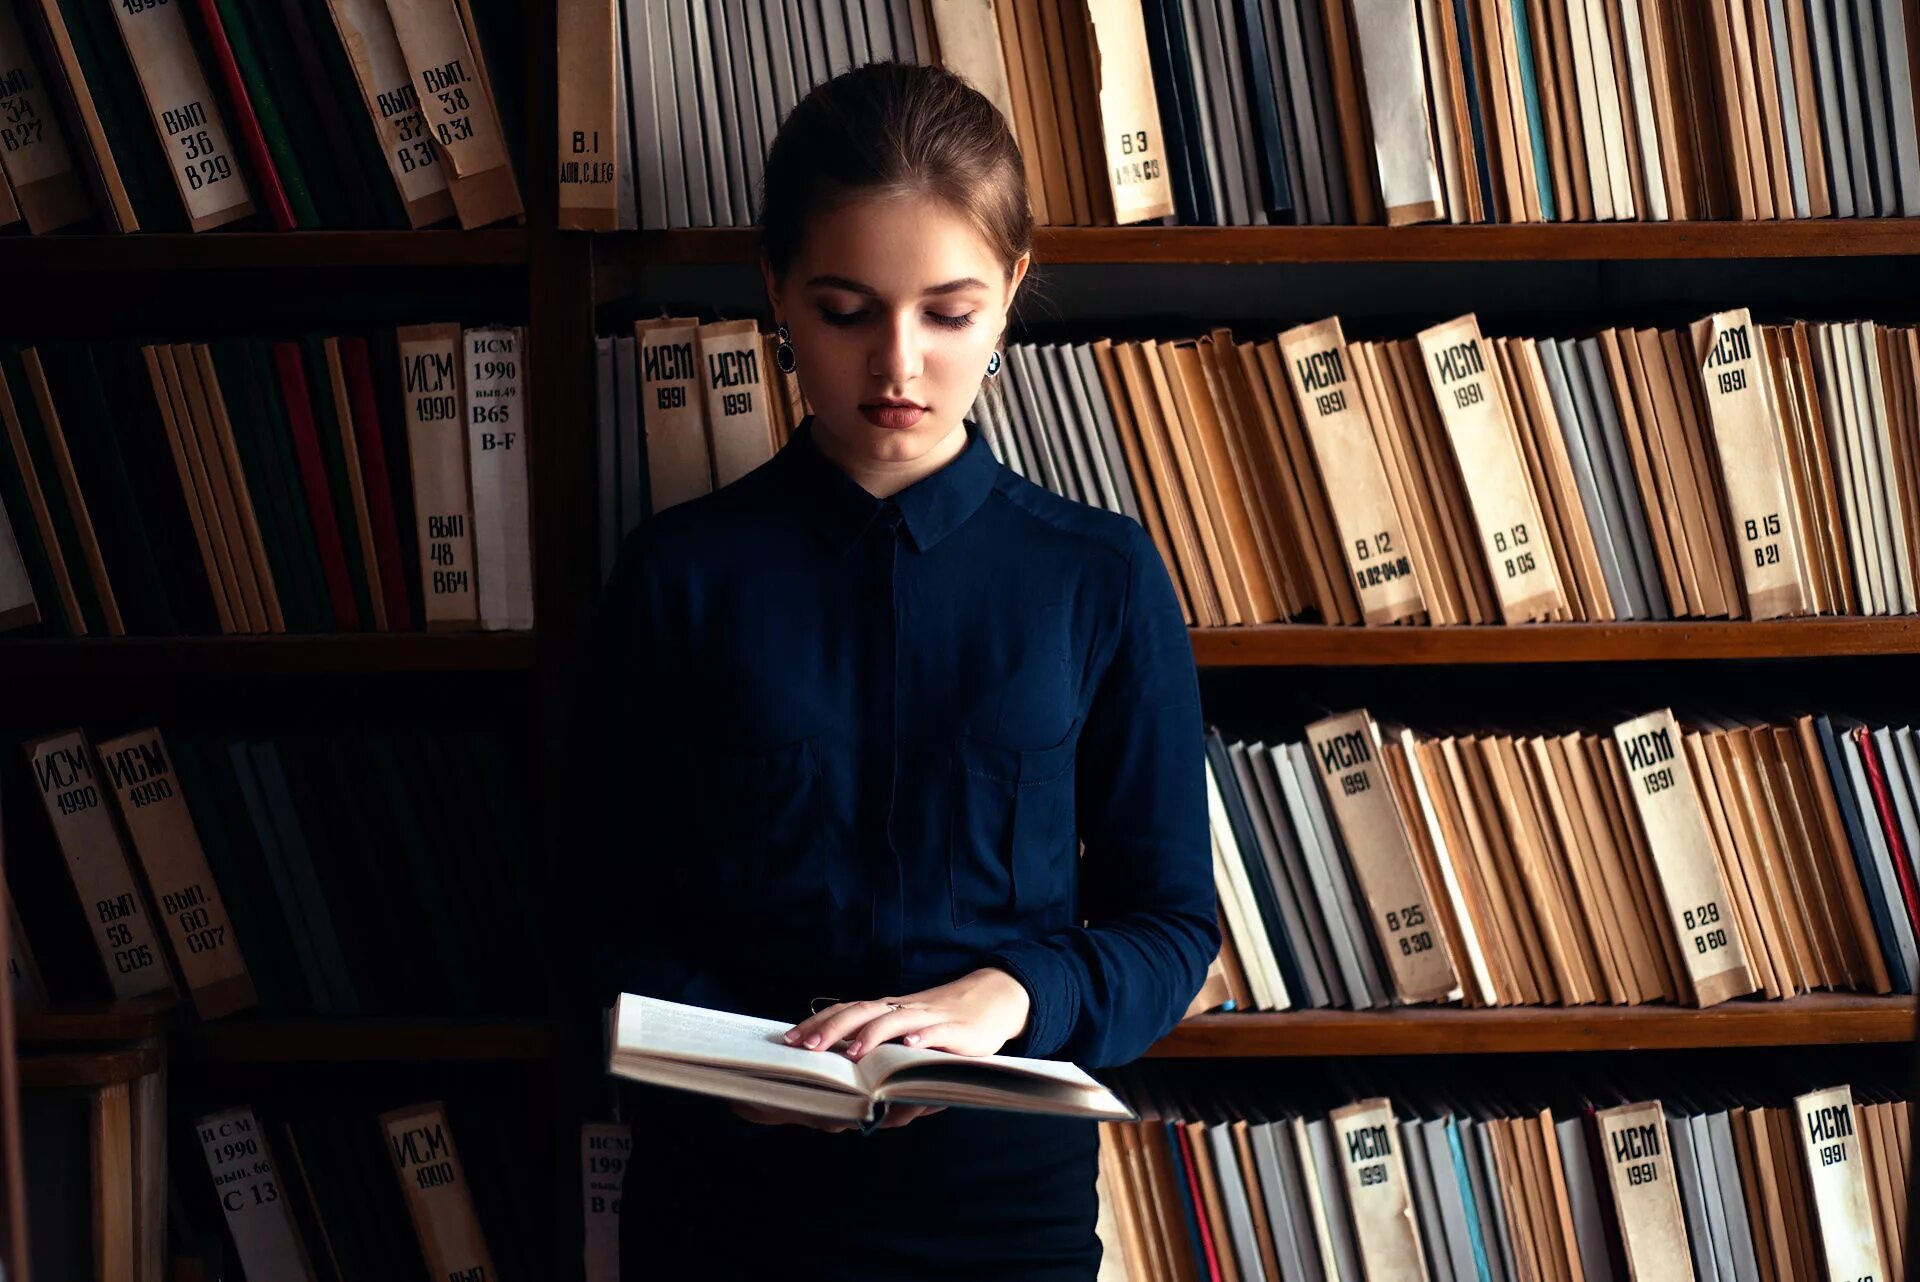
863,747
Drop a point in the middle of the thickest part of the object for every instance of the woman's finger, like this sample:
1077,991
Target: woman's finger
798,1034
834,1023
888,1026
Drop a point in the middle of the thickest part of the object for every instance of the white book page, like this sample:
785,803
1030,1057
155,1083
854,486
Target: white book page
652,1028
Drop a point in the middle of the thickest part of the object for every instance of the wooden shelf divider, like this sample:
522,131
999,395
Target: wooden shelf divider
1822,1019
59,659
261,251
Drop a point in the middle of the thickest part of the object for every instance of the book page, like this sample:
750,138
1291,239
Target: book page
647,1027
891,1059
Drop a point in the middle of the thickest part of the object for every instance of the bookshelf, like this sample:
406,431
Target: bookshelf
553,279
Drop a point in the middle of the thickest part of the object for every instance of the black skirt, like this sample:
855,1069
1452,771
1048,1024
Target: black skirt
960,1194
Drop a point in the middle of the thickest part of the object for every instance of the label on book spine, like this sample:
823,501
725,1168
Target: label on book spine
1473,405
1346,752
1698,904
1377,552
32,146
424,1157
380,69
1837,1170
736,398
1633,1141
1766,529
589,96
192,133
673,410
446,74
437,449
252,1195
97,862
1129,112
1365,1140
497,455
604,1150
155,813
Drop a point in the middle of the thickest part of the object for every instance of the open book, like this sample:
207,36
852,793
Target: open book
743,1057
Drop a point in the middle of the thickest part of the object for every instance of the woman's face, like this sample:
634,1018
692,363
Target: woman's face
895,305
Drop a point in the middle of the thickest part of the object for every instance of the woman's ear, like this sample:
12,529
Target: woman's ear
773,288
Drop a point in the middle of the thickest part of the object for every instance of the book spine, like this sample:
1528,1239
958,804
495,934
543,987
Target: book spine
252,1195
393,105
736,398
427,1164
589,159
1698,904
461,116
1378,1193
1837,1171
156,817
313,473
605,1148
679,464
1747,435
33,146
97,861
1480,425
1639,1164
1135,146
497,454
274,192
191,130
1377,552
437,451
1346,753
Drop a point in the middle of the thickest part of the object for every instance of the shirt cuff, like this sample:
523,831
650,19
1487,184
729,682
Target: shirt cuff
1050,1003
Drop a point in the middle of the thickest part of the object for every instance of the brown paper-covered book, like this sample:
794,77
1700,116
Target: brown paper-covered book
743,1057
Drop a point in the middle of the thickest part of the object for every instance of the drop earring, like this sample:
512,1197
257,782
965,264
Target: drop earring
993,365
783,350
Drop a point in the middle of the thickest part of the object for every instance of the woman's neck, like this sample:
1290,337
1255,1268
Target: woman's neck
883,478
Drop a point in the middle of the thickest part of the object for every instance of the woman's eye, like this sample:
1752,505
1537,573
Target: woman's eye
832,317
951,322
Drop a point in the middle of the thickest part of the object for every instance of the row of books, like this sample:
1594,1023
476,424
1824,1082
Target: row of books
294,114
1251,112
294,874
442,1188
329,483
1233,1183
1657,860
683,407
1730,469
668,107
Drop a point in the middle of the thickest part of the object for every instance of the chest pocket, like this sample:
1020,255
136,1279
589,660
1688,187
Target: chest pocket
1010,840
756,831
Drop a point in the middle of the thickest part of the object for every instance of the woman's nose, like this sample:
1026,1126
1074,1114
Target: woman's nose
898,356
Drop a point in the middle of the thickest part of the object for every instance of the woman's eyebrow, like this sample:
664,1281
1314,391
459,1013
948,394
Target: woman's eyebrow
853,286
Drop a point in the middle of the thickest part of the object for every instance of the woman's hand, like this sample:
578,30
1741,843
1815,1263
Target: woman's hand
976,1014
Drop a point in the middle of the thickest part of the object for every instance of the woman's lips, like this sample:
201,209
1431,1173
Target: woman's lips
894,416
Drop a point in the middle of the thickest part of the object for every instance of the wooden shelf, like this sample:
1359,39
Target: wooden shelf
1823,238
143,657
254,250
1836,1019
99,1022
1316,645
318,1039
89,1068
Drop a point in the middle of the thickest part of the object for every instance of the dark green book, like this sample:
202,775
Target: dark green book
262,469
65,523
390,210
383,356
306,128
118,98
277,437
267,109
333,453
454,925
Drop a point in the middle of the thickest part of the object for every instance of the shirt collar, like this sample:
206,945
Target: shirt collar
931,508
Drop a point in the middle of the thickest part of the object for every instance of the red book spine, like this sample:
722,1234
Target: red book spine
313,476
1199,1202
1889,823
266,178
373,471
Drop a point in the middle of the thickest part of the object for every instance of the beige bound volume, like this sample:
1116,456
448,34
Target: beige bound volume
1346,753
1376,550
1831,1142
1479,422
1633,1144
679,460
736,396
437,451
1765,527
1136,148
1698,904
1365,1144
424,1157
192,133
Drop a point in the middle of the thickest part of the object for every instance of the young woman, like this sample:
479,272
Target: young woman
867,703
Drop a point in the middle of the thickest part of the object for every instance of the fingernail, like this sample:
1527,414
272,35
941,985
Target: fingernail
788,1035
913,1039
853,1051
814,1040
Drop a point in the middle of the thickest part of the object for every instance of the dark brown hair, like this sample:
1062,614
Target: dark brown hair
893,127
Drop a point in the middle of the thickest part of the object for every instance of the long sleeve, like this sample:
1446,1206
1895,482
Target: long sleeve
1104,992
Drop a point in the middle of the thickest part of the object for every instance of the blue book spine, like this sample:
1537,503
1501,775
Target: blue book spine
299,924
1473,1206
1186,1196
279,804
1463,31
1530,86
1882,912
